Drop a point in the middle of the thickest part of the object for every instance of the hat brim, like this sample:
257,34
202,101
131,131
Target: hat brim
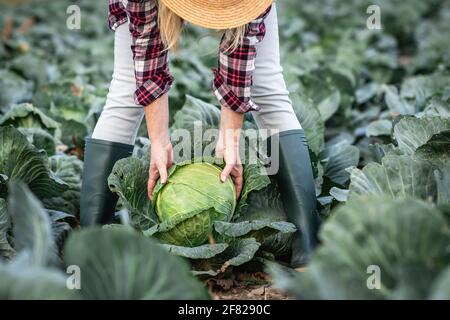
218,14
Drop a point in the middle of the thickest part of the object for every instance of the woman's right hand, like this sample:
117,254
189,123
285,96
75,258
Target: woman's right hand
157,119
161,160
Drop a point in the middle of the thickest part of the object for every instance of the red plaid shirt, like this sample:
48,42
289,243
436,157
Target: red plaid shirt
232,79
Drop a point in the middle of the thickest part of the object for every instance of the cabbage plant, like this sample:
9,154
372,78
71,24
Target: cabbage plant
191,201
376,247
196,216
116,263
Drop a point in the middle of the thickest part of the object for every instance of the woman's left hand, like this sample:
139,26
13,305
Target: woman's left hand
227,148
228,151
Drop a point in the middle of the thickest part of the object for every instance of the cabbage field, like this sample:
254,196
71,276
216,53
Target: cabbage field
375,106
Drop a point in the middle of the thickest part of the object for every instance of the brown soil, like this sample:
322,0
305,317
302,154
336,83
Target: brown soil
244,286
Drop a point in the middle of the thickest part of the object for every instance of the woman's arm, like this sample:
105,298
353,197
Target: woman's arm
157,119
153,81
151,64
232,82
228,147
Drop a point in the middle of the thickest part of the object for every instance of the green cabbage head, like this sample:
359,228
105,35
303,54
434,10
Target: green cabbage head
190,201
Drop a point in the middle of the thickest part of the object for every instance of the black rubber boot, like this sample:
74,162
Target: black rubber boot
97,202
296,181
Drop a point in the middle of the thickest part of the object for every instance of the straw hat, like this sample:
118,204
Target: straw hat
218,14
